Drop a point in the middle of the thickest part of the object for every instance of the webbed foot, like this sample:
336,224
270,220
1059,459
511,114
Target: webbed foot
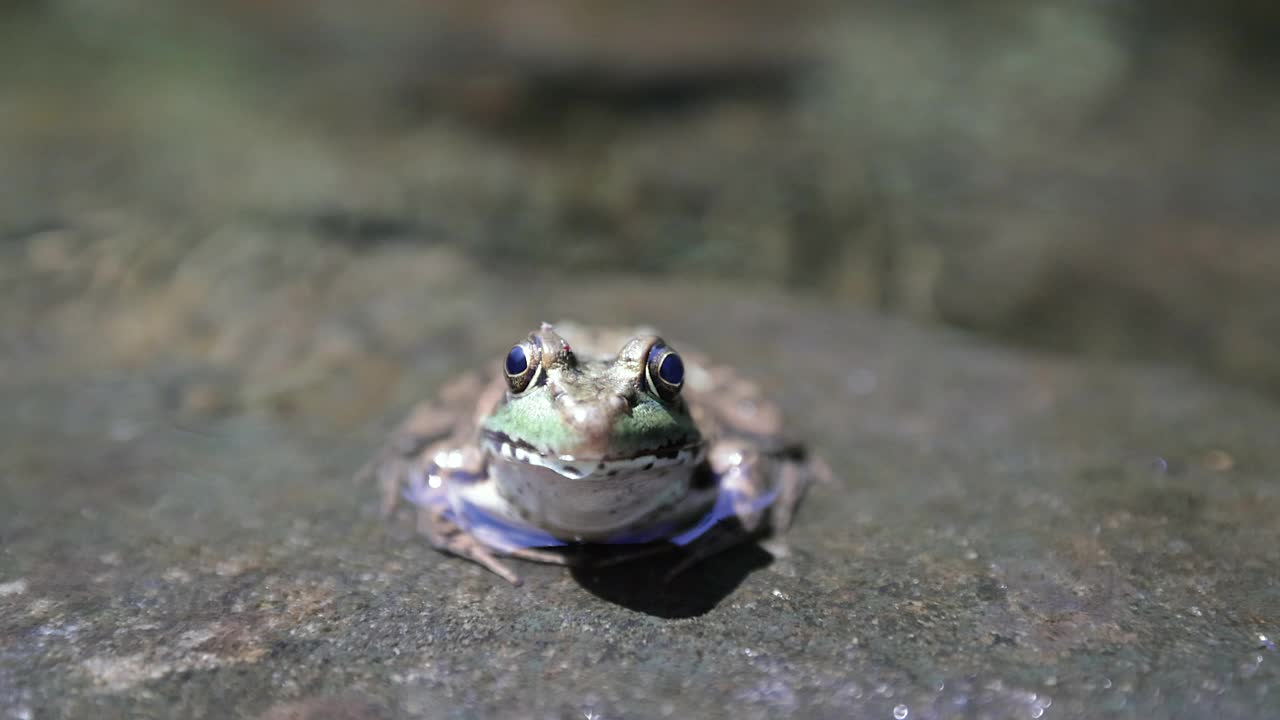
444,534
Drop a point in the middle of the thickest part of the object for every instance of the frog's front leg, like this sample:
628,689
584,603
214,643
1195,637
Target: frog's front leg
429,492
435,523
440,425
796,469
758,491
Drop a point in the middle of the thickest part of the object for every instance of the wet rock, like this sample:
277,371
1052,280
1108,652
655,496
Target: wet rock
1008,536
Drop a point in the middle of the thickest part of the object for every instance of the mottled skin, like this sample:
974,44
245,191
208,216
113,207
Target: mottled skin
591,444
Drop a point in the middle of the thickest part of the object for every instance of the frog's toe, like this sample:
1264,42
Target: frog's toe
543,556
821,471
390,475
791,485
498,567
445,535
792,480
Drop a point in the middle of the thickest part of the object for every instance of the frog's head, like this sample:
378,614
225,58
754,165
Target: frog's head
587,416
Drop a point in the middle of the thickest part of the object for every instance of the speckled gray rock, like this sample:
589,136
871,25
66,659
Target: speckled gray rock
1011,535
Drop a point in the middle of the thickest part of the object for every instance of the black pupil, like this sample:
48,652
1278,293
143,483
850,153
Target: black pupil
517,362
672,369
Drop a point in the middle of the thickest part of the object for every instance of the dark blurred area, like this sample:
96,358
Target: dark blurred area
1093,177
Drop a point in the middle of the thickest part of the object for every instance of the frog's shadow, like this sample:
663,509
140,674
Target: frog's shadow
642,584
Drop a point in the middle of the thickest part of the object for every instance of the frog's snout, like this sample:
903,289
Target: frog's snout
595,420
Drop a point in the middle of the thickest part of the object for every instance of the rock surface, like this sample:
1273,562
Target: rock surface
1011,535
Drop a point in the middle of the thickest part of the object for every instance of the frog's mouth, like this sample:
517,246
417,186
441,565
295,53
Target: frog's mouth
582,467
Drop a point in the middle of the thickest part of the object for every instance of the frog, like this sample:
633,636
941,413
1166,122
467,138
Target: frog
616,441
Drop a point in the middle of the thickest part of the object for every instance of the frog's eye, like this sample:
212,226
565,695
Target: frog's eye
523,365
664,372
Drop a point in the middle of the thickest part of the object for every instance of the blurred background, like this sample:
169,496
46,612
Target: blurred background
239,238
195,178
